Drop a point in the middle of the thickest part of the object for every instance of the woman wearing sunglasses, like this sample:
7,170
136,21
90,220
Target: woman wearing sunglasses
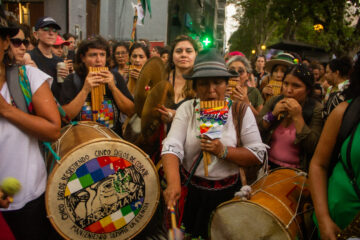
17,50
242,92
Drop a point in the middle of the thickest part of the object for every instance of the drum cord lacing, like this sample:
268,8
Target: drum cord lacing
96,127
296,211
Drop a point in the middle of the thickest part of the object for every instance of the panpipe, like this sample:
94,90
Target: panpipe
276,87
352,230
209,108
97,93
232,84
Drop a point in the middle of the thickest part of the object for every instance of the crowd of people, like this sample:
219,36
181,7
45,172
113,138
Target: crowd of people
292,111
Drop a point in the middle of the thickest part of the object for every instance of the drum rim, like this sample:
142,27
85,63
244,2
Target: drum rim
237,199
48,211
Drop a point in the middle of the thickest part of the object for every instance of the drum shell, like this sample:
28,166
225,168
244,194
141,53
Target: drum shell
277,196
97,141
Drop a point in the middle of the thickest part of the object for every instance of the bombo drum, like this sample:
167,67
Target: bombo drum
103,188
275,210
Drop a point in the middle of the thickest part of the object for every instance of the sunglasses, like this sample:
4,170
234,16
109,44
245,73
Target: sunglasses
48,29
17,42
240,71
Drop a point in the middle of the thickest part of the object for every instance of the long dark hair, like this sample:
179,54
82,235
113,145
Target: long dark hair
343,65
97,43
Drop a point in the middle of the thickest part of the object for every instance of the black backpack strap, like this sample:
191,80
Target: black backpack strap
12,79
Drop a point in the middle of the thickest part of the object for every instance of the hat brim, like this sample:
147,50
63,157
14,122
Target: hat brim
55,25
270,64
8,31
210,74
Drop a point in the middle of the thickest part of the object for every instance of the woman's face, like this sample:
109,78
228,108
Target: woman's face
17,51
293,87
138,57
239,67
184,55
121,55
260,63
165,57
208,89
279,72
155,53
71,40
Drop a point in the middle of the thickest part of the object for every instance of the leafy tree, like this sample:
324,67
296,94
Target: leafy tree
268,21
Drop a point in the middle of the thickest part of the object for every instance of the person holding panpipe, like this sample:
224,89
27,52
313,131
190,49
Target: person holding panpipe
238,88
291,123
184,146
93,93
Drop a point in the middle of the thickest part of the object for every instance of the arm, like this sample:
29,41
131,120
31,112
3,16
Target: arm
45,125
319,170
171,168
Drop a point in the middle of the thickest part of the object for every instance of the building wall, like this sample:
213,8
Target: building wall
117,20
57,10
77,16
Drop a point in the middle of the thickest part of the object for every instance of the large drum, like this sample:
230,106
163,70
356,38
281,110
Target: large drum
103,188
275,210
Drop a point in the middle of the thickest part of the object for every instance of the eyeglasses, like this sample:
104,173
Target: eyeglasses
48,29
17,42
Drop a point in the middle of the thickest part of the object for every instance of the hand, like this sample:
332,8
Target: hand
134,74
171,194
293,108
167,114
240,94
280,107
267,90
328,230
93,79
69,65
213,146
28,61
108,78
228,91
4,203
63,72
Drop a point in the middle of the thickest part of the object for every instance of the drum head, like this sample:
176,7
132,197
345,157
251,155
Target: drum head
103,189
251,222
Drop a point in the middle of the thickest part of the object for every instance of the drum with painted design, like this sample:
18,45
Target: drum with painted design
278,209
103,187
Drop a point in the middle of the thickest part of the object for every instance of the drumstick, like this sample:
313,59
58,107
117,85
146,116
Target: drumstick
174,231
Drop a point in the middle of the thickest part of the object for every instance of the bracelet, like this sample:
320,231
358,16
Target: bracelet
223,154
269,117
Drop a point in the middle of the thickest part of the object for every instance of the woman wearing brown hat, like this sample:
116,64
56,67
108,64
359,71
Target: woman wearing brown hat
182,152
291,123
22,125
277,67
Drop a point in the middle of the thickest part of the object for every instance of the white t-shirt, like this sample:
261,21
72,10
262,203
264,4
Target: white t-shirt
183,142
20,156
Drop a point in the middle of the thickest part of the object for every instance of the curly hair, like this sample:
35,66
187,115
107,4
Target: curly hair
303,73
142,46
96,42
